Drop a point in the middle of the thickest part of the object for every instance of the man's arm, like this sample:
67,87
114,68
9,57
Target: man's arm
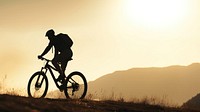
46,50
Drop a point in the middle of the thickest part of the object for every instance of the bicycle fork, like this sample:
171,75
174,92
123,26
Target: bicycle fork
39,81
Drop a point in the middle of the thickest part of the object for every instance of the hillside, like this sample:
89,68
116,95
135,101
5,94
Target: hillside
23,104
174,84
193,103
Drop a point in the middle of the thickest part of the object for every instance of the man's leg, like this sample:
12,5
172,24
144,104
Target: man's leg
64,59
63,66
55,62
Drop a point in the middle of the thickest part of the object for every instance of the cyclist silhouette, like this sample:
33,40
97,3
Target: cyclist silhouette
63,53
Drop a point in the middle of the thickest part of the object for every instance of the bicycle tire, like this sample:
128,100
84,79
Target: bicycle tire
30,86
83,83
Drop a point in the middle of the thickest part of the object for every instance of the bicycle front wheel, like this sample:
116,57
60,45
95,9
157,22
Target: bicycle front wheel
38,85
76,86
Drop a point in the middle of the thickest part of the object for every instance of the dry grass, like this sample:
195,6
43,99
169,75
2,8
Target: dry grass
10,91
163,101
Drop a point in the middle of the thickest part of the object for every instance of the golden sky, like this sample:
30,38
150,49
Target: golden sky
108,35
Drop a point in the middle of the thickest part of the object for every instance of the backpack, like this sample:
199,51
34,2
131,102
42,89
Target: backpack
66,40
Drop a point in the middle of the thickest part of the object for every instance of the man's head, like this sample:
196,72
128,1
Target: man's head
50,33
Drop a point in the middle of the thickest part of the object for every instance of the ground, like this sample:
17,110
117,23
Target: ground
9,103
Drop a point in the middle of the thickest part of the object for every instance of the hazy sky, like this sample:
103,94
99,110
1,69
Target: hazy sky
108,35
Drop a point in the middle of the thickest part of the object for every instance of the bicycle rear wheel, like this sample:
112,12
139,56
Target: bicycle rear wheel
76,86
38,85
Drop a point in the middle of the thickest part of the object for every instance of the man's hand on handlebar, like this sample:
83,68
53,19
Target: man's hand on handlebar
40,57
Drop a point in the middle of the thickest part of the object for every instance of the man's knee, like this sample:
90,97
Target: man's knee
54,62
64,65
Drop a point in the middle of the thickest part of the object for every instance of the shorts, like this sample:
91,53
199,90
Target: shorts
64,56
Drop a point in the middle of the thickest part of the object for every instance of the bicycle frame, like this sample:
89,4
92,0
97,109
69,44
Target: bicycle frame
49,67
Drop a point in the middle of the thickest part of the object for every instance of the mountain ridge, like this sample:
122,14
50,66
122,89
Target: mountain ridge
167,81
171,66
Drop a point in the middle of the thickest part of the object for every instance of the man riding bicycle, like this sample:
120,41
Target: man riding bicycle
63,53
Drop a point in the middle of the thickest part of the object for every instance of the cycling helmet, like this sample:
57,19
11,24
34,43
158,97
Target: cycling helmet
50,33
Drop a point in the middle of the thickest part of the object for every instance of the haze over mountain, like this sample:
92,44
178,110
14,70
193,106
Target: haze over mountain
176,84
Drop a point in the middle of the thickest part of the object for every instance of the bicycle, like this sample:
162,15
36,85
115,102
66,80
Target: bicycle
75,84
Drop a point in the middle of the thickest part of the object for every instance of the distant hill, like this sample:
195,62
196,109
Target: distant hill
176,84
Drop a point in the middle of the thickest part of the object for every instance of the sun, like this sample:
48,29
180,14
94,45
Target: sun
155,13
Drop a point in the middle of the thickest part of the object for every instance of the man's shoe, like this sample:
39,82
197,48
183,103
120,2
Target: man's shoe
62,87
